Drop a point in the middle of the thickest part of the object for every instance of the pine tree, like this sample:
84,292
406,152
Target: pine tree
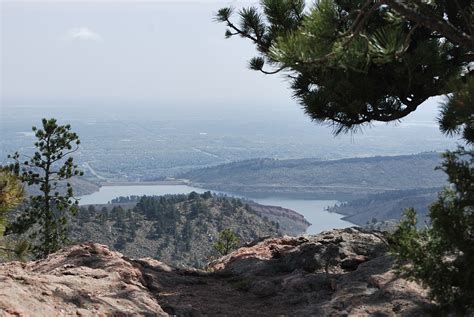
353,62
441,255
45,218
227,242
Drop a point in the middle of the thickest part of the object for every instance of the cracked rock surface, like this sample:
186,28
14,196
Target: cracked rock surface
344,272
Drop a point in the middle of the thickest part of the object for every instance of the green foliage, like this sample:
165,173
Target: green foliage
45,217
187,235
457,114
354,62
442,255
193,195
227,242
174,228
206,195
11,195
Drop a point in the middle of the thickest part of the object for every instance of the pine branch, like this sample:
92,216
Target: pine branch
242,33
433,23
362,17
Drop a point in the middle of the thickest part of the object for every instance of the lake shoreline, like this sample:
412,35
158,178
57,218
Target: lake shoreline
313,210
151,183
289,194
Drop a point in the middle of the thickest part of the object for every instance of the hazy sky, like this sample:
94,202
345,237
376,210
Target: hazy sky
130,53
155,51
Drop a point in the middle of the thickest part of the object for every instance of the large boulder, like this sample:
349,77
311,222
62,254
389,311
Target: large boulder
84,280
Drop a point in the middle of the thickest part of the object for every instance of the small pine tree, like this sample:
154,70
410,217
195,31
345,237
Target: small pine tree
46,216
11,195
442,255
227,242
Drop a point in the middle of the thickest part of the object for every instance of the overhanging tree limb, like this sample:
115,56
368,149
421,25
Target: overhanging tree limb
433,23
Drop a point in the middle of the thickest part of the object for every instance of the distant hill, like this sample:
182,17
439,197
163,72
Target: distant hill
311,178
388,206
81,185
180,229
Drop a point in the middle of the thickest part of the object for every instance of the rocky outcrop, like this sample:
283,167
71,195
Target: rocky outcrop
336,273
84,280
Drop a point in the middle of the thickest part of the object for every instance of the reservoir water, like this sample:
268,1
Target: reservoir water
107,193
313,210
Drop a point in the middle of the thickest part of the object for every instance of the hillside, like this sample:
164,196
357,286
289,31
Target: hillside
337,273
82,186
310,178
388,206
180,229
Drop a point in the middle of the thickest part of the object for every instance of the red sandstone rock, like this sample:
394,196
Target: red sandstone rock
339,273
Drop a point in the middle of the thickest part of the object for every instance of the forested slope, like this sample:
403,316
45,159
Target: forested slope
341,179
179,229
388,206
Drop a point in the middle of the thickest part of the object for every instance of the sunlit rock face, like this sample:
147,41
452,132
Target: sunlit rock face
343,272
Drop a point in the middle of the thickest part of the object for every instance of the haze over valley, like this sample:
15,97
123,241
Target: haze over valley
291,162
236,158
155,142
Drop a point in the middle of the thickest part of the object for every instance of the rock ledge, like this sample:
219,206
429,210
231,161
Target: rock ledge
343,272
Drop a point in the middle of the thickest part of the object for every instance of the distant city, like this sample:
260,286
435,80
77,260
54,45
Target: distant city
123,146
